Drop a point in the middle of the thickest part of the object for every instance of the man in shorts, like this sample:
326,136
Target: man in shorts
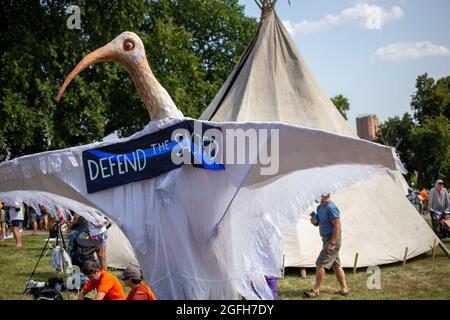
329,223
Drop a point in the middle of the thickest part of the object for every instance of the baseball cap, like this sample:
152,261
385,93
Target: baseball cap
439,182
131,272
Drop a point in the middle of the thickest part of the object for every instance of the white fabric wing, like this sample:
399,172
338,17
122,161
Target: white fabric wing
201,234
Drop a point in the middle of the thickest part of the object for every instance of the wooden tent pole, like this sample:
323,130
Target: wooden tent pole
355,264
444,248
303,273
405,256
434,249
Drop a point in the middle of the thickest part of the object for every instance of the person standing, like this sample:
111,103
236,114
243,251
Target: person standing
78,227
329,223
32,217
424,195
44,218
438,199
100,234
132,276
2,222
16,216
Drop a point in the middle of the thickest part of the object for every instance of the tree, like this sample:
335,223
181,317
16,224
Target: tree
342,104
431,98
396,132
423,141
192,45
432,150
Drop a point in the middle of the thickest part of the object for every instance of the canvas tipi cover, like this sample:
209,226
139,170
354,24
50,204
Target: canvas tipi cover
119,252
272,82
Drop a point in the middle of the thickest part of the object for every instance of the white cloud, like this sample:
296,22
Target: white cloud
369,16
409,51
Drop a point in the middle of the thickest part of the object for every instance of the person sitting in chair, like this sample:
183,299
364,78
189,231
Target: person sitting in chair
108,287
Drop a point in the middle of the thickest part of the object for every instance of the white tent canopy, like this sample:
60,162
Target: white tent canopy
119,252
272,82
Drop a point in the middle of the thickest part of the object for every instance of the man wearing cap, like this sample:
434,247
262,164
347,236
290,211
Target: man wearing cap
329,223
132,277
438,198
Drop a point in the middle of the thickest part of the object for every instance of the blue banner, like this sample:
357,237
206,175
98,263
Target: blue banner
151,155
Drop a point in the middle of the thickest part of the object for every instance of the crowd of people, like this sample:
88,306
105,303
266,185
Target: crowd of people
108,286
437,199
14,217
17,216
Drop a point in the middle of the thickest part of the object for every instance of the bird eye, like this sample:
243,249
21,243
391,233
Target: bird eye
128,45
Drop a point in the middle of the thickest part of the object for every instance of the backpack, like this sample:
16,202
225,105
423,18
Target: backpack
84,250
41,291
46,293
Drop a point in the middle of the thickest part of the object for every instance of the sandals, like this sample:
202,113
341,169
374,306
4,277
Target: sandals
344,294
314,294
311,293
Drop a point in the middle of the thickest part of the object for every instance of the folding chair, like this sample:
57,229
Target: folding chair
51,244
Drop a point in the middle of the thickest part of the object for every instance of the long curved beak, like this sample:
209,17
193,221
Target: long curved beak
104,53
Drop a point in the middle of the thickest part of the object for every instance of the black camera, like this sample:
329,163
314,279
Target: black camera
313,215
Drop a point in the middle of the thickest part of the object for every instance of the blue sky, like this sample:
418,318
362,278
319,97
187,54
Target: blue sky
370,51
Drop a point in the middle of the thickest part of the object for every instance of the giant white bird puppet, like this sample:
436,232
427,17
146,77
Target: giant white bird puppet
198,233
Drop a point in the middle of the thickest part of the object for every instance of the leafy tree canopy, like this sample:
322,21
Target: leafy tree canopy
192,45
423,140
342,104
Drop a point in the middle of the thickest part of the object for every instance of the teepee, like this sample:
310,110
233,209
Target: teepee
119,252
272,82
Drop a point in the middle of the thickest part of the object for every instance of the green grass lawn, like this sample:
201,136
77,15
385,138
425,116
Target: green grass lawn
16,266
421,278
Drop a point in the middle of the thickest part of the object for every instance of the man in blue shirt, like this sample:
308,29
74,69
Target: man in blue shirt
329,223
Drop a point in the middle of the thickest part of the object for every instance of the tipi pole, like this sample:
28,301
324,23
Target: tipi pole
355,264
303,273
434,249
444,248
405,256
